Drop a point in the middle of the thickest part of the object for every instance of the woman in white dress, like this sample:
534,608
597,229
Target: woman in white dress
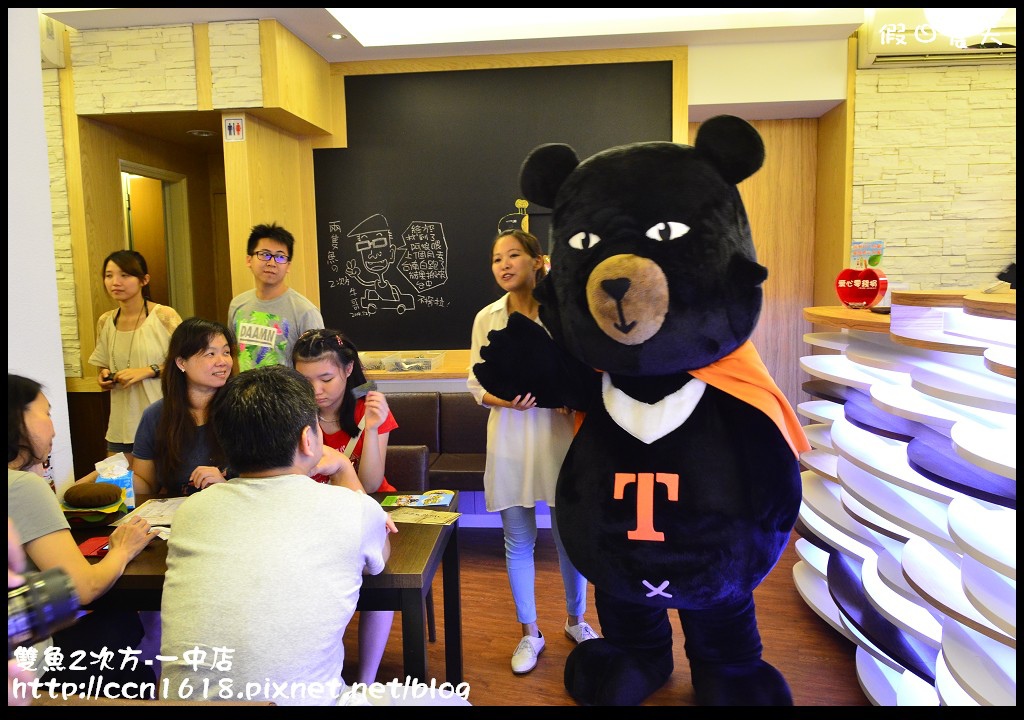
131,346
525,449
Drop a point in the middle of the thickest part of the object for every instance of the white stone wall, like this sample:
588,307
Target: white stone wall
935,172
153,69
139,69
61,226
235,64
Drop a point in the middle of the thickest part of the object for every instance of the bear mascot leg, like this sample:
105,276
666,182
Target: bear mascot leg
632,660
724,650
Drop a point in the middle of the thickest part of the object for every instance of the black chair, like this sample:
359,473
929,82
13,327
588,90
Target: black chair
417,416
407,469
463,430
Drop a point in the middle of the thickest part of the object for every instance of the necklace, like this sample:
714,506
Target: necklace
131,340
322,419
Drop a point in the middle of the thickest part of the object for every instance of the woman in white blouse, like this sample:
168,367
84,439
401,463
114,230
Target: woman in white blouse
525,449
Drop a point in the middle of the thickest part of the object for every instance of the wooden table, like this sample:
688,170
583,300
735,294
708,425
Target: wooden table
416,553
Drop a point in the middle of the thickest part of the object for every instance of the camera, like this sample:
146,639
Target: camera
46,603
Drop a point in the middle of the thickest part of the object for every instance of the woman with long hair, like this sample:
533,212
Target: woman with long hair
131,344
176,452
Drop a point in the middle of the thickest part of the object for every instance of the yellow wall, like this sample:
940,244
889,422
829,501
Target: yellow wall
295,77
834,182
269,178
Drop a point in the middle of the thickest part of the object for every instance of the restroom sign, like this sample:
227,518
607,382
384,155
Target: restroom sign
234,129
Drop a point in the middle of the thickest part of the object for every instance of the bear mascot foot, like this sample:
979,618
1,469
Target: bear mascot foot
599,673
751,683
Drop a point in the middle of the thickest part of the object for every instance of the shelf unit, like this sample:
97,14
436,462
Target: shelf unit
909,517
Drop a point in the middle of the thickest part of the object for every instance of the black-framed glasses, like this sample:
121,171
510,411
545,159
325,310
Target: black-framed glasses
266,256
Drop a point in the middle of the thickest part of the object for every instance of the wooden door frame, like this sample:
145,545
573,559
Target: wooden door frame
179,241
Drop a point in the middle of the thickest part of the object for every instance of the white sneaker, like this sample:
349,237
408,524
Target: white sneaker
524,659
580,633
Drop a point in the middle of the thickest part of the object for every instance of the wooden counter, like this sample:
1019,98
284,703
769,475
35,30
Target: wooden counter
943,298
911,491
850,318
454,367
1001,306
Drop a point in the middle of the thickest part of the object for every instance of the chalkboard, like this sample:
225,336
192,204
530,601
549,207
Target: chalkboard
407,212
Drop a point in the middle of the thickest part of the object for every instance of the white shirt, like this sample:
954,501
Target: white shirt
525,449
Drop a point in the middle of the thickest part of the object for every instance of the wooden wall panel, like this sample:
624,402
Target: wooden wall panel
286,59
780,203
269,178
87,415
834,221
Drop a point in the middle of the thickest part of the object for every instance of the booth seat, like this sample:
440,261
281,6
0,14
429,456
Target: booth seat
452,426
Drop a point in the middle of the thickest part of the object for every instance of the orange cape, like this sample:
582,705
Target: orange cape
743,375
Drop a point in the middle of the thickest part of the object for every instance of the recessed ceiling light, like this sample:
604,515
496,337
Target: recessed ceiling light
377,27
337,36
201,133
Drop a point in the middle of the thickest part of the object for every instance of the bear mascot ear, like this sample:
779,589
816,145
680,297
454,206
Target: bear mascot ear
732,146
544,170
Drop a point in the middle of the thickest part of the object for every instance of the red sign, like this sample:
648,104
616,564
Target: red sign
862,287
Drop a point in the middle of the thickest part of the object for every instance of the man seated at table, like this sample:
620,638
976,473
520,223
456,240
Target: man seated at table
264,571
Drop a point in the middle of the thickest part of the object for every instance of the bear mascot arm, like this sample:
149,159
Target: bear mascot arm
682,484
522,358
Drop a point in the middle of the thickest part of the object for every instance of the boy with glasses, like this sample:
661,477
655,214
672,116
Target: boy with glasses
268,319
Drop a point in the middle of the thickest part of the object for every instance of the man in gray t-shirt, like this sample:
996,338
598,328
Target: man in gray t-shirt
269,319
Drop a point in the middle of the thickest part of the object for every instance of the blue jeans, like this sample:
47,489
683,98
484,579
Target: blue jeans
520,526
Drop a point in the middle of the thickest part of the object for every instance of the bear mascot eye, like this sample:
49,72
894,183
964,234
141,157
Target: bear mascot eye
583,241
667,231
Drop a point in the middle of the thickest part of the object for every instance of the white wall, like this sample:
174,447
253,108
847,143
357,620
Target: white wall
766,81
33,321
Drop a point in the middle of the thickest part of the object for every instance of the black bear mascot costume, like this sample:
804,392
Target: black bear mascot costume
682,484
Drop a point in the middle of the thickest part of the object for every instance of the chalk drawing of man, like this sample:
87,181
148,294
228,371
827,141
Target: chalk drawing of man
377,254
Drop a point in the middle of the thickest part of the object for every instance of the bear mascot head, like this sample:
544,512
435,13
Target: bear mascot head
682,483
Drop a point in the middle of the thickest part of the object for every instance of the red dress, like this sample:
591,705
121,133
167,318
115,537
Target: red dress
339,440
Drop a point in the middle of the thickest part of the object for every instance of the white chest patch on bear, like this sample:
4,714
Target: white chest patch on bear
645,422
